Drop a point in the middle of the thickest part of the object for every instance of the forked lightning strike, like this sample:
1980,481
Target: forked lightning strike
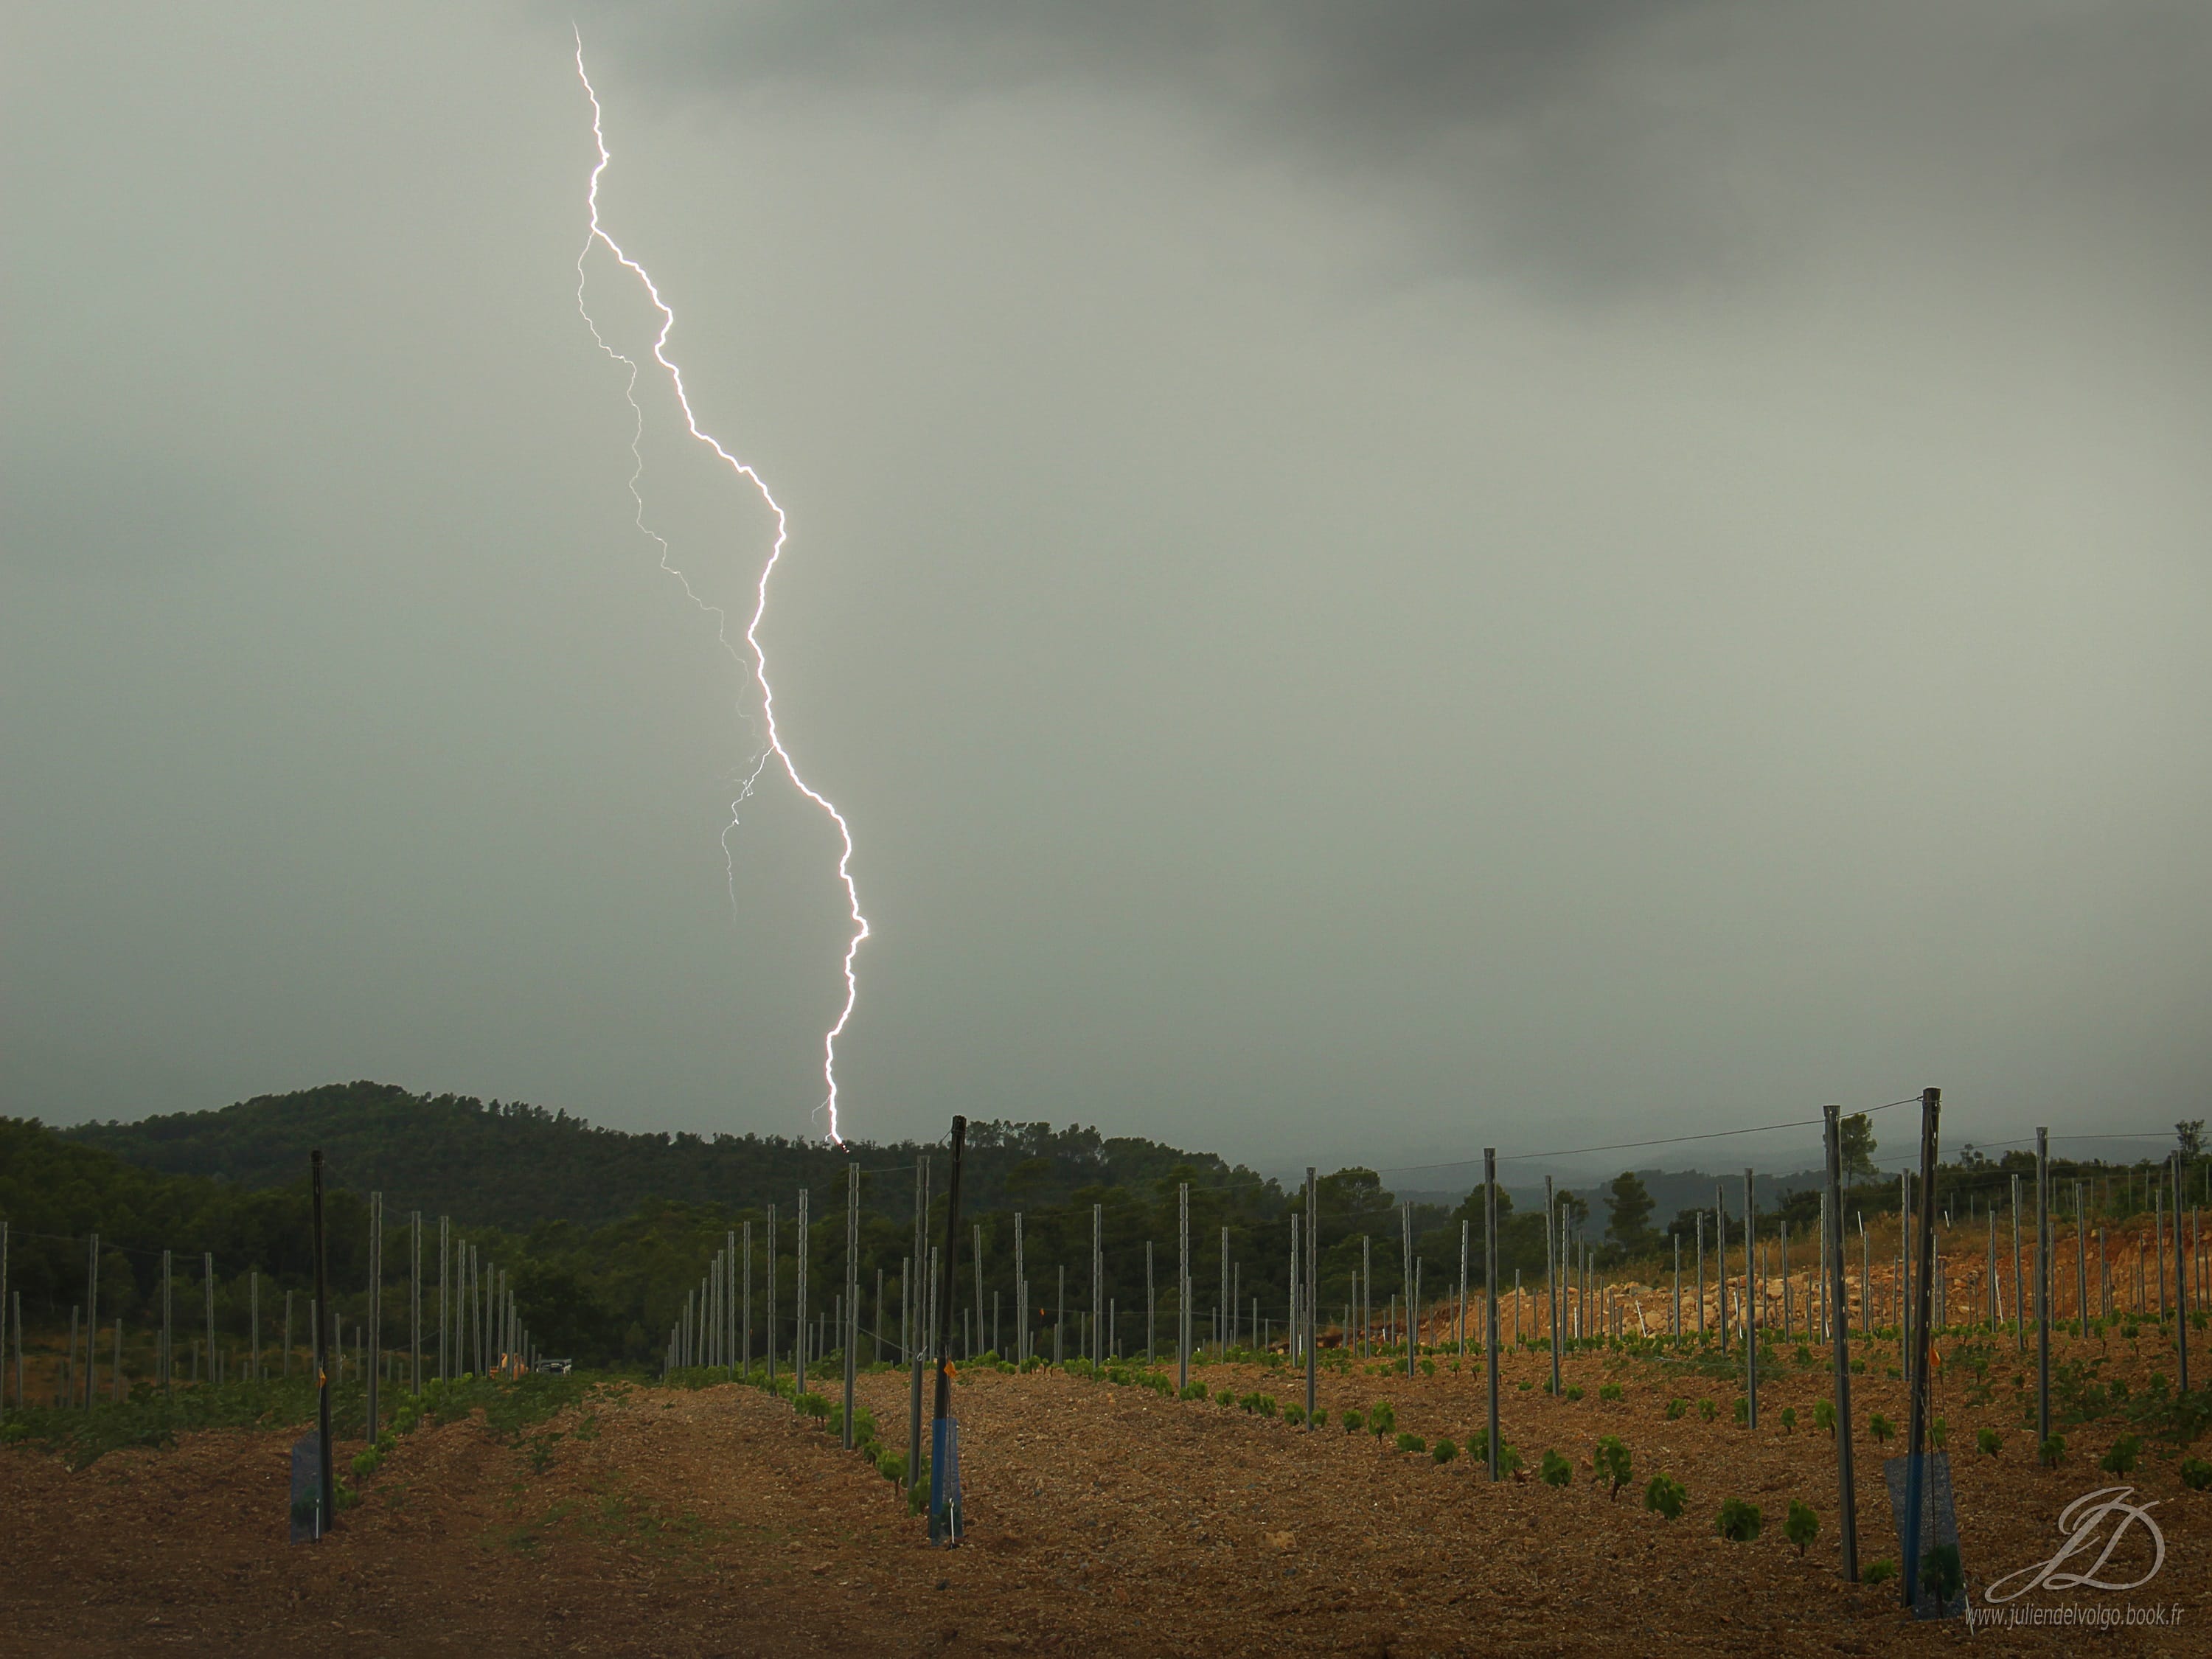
776,750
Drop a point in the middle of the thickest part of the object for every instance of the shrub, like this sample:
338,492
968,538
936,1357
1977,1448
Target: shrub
1804,1354
864,1423
1554,1470
1740,1521
2121,1459
1939,1573
1381,1418
1411,1443
1224,1399
1675,1407
1478,1450
1742,1411
1801,1526
1989,1443
1879,1572
1707,1410
1610,1391
2053,1451
1879,1427
1444,1451
891,1465
1574,1390
1612,1464
2197,1475
1294,1415
1353,1422
1428,1368
1194,1391
1789,1419
1665,1495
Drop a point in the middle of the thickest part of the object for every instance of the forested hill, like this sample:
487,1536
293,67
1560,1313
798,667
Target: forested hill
508,1164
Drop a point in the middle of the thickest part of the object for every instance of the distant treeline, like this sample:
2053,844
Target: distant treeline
604,1232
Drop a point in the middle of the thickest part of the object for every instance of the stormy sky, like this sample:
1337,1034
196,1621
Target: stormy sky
1371,581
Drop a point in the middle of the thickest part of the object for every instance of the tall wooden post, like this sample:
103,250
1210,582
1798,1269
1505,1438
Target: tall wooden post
1366,1295
1182,1288
1720,1263
375,1305
1226,1311
1701,1276
1839,1341
1406,1266
944,1465
2041,1285
445,1267
802,1247
1551,1279
1312,1291
326,1472
1465,1228
1750,1307
2180,1280
1917,1375
415,1299
2080,1261
921,1272
92,1322
851,1334
1490,1292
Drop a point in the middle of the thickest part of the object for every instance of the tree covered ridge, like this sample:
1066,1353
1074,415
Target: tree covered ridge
514,1165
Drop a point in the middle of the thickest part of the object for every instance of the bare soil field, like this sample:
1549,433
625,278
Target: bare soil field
1102,1519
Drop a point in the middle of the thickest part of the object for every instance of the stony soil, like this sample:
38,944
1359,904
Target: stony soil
1103,1519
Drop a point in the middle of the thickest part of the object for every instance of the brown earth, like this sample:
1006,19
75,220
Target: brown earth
1103,1519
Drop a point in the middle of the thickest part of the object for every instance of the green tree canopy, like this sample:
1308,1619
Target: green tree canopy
1630,1203
1857,1136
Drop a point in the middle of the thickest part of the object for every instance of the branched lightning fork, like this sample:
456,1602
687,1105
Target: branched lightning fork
776,750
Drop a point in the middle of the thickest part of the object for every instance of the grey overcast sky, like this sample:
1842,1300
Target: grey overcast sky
1371,581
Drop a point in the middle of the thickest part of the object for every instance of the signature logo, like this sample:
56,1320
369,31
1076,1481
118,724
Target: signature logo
2104,1516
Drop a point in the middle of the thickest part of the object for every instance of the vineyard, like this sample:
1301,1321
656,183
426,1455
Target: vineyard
1671,1436
706,1517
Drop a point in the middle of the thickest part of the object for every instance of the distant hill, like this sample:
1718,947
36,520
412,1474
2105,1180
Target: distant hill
509,1164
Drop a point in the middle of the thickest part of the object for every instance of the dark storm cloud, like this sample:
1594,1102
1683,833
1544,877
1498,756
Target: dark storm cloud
1370,579
1507,130
1597,148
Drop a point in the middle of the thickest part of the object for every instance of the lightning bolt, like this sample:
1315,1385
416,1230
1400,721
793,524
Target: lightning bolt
775,752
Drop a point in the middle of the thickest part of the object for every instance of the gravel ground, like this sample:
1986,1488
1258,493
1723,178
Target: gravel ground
1103,1519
